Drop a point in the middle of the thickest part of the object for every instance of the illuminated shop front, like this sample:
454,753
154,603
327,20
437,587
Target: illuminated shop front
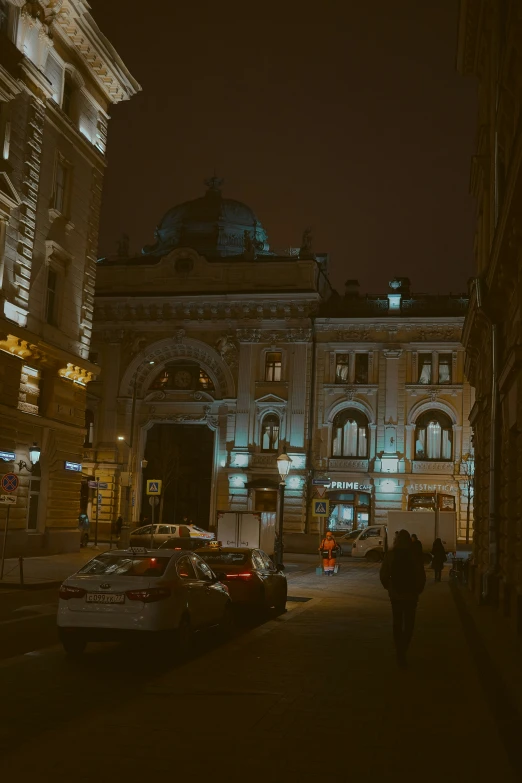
350,505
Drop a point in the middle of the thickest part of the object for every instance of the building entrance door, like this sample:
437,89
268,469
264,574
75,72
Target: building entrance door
181,455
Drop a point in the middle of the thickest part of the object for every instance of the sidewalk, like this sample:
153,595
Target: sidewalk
47,571
315,694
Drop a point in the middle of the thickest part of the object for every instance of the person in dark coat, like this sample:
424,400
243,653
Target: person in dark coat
417,545
402,575
118,526
438,558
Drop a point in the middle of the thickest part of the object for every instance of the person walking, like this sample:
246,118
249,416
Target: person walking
329,551
83,524
417,545
402,575
438,558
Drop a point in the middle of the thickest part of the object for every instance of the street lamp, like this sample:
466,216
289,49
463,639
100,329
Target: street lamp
468,461
284,463
34,457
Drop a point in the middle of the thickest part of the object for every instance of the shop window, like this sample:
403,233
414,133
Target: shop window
425,368
89,427
273,366
270,432
445,368
33,500
349,510
342,368
350,434
434,437
361,368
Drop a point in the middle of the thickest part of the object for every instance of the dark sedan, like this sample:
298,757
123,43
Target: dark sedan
251,577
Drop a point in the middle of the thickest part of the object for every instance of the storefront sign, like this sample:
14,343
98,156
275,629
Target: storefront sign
431,488
7,456
76,466
350,485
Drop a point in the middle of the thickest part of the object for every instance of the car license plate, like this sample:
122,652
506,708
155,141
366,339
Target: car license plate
105,598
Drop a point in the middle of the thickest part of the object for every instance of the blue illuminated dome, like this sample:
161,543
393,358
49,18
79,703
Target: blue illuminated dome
212,225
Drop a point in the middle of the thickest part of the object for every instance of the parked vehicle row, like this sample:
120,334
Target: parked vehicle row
166,594
155,535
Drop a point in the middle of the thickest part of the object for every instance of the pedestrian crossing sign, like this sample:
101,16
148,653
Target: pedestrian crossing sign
320,508
153,487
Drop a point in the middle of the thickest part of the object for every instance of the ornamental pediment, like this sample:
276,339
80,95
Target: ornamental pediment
271,400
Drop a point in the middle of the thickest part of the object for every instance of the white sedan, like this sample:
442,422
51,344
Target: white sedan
135,592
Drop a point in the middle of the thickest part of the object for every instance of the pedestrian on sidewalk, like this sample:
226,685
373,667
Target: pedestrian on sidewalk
438,558
83,524
402,574
329,550
417,545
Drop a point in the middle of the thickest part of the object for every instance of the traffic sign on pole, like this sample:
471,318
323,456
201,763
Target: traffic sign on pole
153,501
153,487
10,482
320,508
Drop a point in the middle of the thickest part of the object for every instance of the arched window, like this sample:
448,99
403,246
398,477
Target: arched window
350,434
434,437
183,376
270,427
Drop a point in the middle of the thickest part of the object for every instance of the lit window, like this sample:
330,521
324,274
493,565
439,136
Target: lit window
361,368
51,300
425,373
273,365
342,368
270,433
350,435
434,437
61,186
445,368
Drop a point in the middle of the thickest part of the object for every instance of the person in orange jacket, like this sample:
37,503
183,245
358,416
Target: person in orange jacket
329,551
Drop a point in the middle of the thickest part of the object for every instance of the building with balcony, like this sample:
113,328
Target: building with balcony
58,78
391,429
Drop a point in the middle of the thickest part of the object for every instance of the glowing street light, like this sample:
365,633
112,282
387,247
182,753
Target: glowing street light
284,463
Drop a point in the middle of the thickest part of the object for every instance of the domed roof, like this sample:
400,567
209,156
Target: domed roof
212,225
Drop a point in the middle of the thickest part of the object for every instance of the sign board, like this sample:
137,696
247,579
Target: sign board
350,485
320,508
321,482
7,456
9,482
76,466
98,484
320,492
8,499
153,487
153,501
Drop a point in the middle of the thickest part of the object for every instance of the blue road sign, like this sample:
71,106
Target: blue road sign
9,482
320,508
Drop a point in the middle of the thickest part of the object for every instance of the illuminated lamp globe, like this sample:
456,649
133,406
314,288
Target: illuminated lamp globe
34,453
284,463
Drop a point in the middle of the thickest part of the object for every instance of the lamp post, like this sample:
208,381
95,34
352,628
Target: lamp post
469,472
284,463
130,458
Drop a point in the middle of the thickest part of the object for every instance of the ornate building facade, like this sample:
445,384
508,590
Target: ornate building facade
490,49
58,78
392,405
218,352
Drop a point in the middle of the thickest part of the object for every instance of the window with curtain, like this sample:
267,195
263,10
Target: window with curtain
434,437
425,371
270,427
350,435
361,368
273,366
342,367
445,368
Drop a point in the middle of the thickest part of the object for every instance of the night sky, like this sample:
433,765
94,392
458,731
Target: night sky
348,117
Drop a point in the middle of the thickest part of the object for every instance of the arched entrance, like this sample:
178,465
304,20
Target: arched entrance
182,456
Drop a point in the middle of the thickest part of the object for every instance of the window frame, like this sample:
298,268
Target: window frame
423,421
421,365
63,207
273,367
273,442
358,356
338,363
362,422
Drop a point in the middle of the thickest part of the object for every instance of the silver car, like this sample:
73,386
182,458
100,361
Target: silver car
346,540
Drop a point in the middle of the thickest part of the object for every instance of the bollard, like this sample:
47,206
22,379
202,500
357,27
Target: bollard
21,563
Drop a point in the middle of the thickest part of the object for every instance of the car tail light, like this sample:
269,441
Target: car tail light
148,595
245,576
68,591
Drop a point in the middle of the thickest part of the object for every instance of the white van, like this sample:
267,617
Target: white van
370,543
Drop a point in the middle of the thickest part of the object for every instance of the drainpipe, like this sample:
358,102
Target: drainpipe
311,409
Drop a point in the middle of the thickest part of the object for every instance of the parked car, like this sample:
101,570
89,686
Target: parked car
142,535
345,540
250,575
135,592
